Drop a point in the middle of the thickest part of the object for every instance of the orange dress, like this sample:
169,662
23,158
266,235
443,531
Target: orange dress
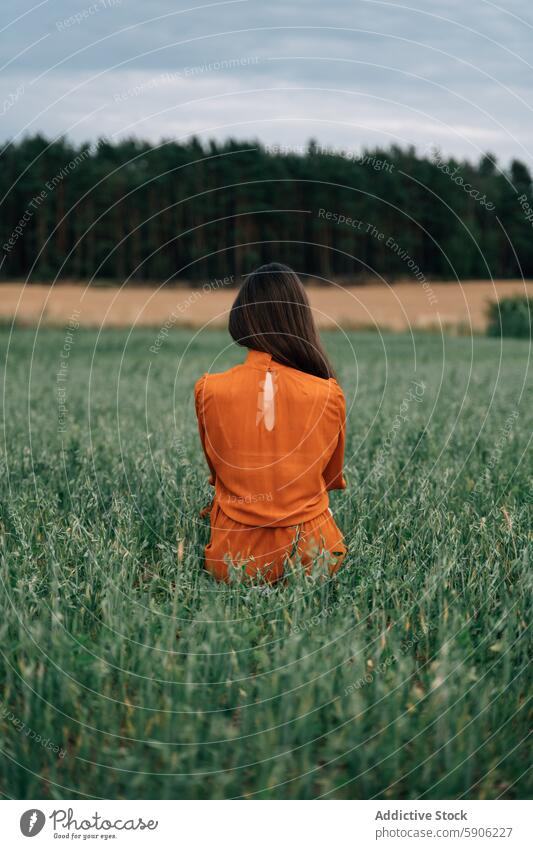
273,438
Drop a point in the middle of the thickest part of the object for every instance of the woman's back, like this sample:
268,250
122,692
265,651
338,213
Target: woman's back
272,430
274,439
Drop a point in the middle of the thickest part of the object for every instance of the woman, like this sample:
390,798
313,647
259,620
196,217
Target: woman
272,430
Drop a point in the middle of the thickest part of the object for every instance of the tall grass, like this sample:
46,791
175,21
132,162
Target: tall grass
405,677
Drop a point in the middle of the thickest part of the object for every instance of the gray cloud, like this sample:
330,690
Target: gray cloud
349,72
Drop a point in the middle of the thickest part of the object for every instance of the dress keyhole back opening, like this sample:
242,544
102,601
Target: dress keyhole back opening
266,404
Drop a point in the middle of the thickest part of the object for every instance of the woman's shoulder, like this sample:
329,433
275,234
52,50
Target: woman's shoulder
336,395
199,386
328,386
210,380
336,388
340,397
326,392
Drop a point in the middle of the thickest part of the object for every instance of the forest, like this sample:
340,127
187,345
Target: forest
130,211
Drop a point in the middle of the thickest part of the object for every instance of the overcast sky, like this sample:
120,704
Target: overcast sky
454,74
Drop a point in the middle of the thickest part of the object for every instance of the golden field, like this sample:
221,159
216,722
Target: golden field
450,306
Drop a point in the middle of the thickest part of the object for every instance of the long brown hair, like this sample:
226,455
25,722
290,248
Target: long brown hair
271,313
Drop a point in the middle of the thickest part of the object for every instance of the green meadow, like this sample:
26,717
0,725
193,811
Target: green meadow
128,673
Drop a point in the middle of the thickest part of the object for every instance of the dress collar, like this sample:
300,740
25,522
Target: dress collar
258,359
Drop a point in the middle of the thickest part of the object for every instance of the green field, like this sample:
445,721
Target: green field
405,677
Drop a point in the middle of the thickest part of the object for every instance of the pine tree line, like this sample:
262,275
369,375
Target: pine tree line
131,211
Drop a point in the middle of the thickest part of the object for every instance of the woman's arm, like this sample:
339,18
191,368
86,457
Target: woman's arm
333,477
199,398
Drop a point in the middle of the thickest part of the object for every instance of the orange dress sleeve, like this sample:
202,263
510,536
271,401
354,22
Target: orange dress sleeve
199,400
333,476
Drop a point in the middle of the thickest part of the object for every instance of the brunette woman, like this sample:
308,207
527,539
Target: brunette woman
273,431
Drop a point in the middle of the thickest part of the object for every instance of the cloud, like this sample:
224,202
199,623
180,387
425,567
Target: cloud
364,72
